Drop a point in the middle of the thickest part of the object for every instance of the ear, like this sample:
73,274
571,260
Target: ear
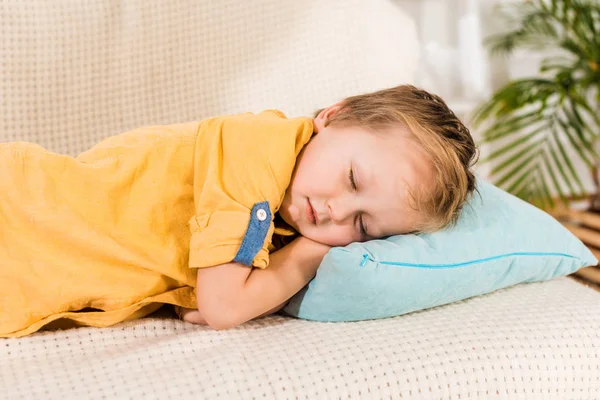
324,115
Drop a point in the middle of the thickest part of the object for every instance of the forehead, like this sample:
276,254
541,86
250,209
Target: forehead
392,164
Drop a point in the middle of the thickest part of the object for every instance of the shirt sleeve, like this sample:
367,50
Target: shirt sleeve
243,165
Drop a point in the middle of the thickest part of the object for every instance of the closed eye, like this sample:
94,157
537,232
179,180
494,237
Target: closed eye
363,229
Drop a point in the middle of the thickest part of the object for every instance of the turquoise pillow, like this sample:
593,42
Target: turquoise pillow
499,241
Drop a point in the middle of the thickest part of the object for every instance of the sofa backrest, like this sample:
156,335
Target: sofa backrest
73,73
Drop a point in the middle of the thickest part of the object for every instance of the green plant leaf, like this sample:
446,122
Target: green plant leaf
516,95
579,148
560,168
512,159
550,170
525,177
545,193
579,100
585,127
511,145
567,161
508,126
574,47
510,174
525,189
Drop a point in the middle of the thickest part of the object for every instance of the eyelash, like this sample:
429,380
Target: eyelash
353,184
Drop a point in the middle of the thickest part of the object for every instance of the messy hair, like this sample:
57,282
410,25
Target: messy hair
437,129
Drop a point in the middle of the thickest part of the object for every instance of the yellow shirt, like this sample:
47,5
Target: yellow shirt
122,227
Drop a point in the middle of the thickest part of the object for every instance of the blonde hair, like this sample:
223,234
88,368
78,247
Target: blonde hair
437,129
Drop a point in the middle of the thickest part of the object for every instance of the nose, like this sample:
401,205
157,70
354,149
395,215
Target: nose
341,208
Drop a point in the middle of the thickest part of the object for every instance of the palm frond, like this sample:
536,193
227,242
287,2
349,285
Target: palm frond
577,146
516,95
513,143
516,169
510,125
549,168
520,185
559,166
529,149
544,193
588,130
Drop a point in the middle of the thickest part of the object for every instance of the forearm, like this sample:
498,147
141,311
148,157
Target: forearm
193,315
290,269
273,310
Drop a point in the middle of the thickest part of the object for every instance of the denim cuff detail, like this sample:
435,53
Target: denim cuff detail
260,221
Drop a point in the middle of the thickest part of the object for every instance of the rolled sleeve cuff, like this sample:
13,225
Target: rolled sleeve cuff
226,236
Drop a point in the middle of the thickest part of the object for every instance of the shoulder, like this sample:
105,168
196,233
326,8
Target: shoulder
255,149
268,124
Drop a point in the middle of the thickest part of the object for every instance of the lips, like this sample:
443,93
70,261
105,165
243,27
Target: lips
310,212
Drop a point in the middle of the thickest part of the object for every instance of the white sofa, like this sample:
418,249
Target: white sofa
72,73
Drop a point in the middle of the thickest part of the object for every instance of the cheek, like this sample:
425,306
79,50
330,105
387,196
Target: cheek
315,164
317,178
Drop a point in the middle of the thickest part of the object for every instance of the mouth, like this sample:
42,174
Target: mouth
310,212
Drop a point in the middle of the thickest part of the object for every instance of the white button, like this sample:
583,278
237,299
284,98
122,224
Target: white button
261,214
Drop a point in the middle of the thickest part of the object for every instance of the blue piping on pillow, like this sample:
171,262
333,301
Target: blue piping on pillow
441,266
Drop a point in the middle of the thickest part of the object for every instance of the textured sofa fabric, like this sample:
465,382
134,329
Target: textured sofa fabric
531,341
75,72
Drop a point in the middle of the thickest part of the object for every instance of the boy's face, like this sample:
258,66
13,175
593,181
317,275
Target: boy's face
321,202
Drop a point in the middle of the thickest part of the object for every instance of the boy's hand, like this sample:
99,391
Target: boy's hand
191,315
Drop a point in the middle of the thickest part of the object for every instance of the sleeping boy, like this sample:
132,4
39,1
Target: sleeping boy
225,218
